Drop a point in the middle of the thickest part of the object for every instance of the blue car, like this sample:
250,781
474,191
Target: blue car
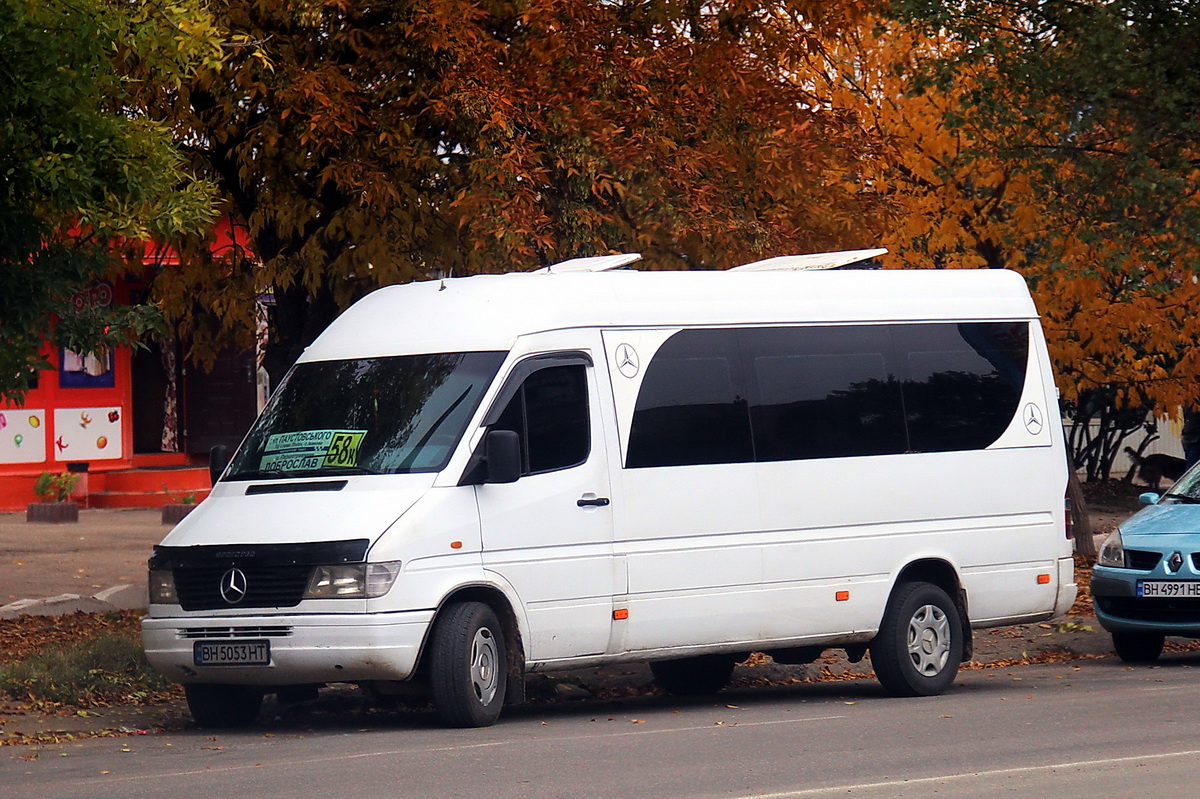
1146,582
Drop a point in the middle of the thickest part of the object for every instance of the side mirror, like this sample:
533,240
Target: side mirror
1149,498
503,451
218,459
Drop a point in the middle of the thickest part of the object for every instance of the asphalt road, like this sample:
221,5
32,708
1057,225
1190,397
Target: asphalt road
1088,728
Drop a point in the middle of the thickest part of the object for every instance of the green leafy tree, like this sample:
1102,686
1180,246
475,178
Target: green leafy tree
82,172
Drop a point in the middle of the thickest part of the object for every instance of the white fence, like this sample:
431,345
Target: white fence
1167,443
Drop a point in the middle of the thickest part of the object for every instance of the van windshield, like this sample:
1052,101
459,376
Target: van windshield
389,415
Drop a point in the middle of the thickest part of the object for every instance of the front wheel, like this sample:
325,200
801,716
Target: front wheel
919,645
702,675
1138,647
467,665
223,706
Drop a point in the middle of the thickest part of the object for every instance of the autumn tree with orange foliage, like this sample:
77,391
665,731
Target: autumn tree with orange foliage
367,144
1020,136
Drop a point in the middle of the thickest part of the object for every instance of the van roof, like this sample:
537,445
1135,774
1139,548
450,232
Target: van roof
489,312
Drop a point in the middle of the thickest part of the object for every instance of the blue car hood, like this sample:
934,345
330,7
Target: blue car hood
1167,519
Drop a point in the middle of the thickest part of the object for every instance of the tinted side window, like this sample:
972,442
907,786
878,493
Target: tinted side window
963,382
550,414
688,409
823,392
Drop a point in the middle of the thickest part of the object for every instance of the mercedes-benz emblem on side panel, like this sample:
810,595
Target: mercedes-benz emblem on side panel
627,360
233,586
1032,415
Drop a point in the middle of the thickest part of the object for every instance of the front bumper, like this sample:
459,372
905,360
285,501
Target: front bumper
304,648
1119,609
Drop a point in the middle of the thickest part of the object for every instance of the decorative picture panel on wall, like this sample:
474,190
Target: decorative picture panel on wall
87,434
22,435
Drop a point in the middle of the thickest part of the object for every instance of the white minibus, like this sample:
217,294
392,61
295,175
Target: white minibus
464,481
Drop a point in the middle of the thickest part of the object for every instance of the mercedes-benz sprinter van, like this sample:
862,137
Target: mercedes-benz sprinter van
463,481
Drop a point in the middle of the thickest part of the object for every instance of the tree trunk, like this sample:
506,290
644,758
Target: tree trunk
1081,523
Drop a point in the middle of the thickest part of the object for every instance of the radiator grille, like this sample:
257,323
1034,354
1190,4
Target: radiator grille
197,633
199,588
1141,560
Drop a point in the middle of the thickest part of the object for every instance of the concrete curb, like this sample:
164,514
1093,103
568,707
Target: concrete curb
118,597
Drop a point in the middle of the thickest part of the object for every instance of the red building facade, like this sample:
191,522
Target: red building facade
134,424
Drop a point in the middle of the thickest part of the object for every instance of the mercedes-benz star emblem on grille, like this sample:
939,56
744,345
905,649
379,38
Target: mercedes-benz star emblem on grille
233,586
627,360
1175,562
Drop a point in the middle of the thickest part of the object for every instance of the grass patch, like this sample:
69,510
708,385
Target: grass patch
108,668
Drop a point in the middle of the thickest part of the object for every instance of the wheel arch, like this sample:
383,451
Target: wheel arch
514,649
943,574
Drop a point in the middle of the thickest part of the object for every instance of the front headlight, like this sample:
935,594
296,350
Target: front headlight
352,580
162,587
1112,553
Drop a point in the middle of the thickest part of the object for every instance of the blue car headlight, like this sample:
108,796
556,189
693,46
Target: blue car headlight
1112,553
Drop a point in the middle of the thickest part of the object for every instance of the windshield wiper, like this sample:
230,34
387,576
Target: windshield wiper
433,428
1183,498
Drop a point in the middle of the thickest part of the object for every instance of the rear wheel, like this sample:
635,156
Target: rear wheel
1138,647
468,665
696,676
919,645
223,706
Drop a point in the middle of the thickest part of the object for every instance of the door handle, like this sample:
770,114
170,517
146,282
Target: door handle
593,502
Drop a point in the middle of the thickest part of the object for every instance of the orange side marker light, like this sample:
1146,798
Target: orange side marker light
1043,579
456,544
842,596
621,614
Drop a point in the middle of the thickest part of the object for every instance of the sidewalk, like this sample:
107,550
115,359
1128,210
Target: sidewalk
96,564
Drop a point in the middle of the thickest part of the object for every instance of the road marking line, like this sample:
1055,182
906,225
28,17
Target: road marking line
966,775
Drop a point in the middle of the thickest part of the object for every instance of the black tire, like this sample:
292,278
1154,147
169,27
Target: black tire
468,666
919,645
1138,647
223,706
702,675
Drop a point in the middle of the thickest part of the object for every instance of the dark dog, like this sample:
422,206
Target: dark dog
1153,468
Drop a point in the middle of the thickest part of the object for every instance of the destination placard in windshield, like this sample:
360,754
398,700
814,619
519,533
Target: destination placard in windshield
309,450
